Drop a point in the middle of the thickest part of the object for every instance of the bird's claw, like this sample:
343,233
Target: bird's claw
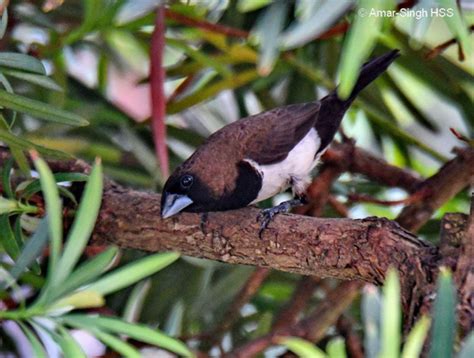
266,216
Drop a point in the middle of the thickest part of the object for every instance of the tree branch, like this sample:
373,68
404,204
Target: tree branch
339,248
453,177
359,161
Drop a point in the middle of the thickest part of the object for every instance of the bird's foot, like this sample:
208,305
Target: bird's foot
203,222
266,216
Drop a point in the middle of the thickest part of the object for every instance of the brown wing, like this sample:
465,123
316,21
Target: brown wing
265,138
276,132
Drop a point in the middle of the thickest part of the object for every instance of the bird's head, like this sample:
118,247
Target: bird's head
178,193
189,188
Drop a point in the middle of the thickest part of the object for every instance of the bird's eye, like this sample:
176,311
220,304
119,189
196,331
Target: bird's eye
186,181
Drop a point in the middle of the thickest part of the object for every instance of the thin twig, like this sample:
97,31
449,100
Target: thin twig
340,208
359,161
205,25
462,137
412,199
183,86
442,47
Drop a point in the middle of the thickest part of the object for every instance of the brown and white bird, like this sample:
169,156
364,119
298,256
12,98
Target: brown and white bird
260,156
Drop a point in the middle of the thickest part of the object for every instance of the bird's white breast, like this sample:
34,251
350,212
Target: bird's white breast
293,170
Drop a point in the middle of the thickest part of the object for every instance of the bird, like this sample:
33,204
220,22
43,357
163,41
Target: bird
257,157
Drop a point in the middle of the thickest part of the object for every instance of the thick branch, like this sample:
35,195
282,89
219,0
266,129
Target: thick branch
464,268
338,248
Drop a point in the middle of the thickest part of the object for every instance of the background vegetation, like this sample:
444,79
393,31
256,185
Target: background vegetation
75,82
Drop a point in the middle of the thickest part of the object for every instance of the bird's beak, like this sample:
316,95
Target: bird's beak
173,204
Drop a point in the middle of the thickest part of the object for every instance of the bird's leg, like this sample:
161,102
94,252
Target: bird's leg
266,215
203,222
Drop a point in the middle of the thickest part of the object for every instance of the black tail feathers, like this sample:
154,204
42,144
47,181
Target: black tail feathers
370,71
333,108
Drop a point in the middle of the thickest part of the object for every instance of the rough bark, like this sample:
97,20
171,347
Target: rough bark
338,248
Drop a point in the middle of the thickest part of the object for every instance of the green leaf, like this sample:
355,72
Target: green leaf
416,338
78,300
252,5
83,224
264,324
32,249
444,317
68,344
35,344
212,90
126,350
139,332
21,160
302,347
336,348
44,329
268,31
19,143
7,238
39,109
391,316
134,305
467,347
222,291
21,62
379,118
201,57
21,239
359,42
6,173
456,24
86,272
40,80
4,22
13,206
6,84
325,16
33,186
132,273
141,150
54,212
93,10
371,311
8,206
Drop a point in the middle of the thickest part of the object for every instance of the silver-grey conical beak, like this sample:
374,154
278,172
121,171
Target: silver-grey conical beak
173,204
